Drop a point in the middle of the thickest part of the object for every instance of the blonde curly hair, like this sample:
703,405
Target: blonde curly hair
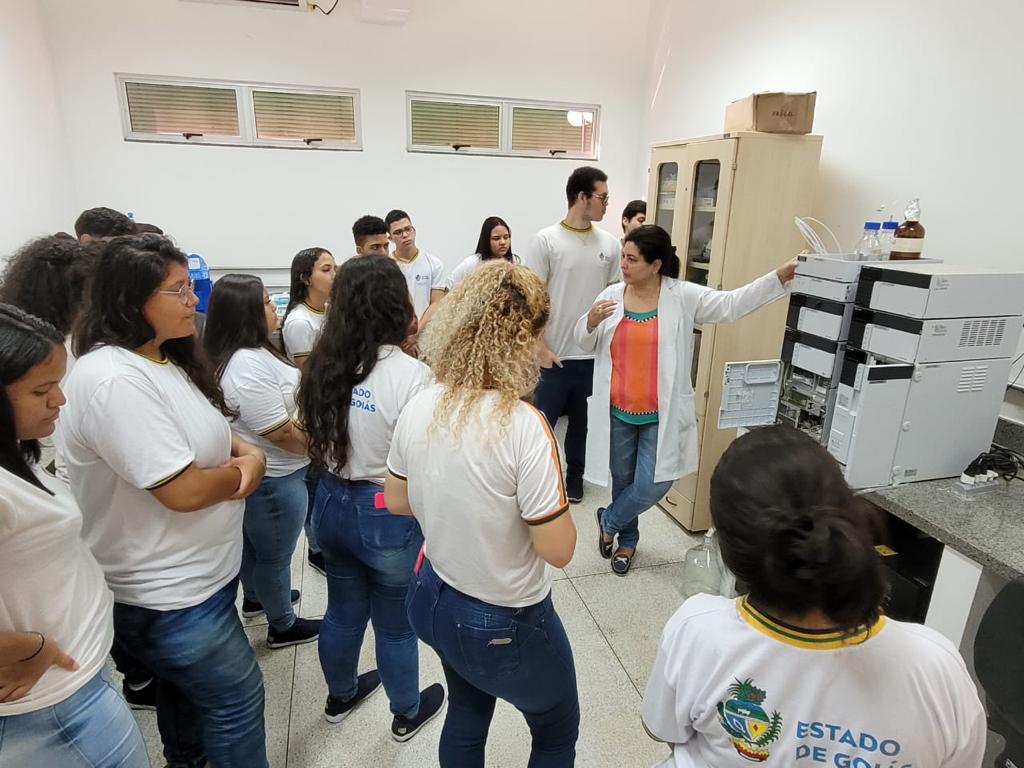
483,337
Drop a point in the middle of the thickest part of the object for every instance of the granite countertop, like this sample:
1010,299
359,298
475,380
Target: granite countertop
988,529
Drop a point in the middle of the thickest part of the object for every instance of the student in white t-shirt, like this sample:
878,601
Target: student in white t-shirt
424,272
495,242
260,385
576,261
160,479
479,469
312,276
804,670
47,278
57,706
357,382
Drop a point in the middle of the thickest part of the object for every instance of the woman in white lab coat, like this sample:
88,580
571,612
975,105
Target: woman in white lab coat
641,414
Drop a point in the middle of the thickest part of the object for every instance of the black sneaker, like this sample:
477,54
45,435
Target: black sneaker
337,710
431,700
621,562
316,562
142,697
301,632
253,608
574,489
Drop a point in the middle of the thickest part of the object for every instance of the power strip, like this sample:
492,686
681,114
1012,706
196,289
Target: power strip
981,486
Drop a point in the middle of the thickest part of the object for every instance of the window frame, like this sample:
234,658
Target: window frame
246,113
411,96
505,108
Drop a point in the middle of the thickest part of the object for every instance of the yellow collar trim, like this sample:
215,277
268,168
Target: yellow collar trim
588,228
394,257
164,361
313,309
827,641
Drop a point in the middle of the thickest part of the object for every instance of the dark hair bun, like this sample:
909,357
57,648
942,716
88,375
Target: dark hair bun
791,528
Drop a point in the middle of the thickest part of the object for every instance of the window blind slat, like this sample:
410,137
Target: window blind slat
445,123
535,129
304,115
178,109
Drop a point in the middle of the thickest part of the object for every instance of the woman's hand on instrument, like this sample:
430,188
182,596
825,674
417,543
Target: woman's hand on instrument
787,271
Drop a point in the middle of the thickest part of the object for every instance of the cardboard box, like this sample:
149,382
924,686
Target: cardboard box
772,113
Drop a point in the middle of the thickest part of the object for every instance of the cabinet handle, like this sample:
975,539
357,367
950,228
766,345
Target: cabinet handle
671,502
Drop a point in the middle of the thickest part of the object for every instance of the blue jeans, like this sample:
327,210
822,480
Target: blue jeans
633,454
369,554
211,691
312,483
564,391
490,652
274,515
92,728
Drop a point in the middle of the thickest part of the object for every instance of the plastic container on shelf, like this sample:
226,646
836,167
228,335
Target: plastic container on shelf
702,573
886,237
199,274
869,248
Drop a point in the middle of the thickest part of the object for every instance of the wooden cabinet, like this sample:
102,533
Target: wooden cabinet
729,202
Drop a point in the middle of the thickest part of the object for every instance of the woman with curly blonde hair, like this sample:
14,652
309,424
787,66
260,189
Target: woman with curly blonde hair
480,470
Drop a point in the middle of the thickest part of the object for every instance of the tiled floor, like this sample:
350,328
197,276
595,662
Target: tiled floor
613,624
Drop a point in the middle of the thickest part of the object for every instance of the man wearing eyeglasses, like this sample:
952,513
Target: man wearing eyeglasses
577,261
423,272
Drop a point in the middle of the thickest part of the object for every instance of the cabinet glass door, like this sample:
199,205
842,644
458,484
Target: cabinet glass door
704,202
665,199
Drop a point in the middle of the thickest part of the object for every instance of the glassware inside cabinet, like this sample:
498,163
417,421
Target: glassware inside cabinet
665,204
702,220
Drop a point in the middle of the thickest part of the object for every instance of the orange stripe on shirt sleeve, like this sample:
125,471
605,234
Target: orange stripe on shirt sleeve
562,498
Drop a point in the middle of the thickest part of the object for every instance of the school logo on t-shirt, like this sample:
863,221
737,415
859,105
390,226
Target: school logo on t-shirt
748,725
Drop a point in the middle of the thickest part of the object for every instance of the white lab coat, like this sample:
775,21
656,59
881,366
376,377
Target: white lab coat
681,304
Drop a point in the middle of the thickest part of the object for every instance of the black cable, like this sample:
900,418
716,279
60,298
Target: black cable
1004,462
325,13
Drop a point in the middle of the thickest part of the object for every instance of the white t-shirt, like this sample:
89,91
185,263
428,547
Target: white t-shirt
466,266
132,424
576,265
423,274
730,682
301,330
60,467
261,387
51,583
474,499
373,413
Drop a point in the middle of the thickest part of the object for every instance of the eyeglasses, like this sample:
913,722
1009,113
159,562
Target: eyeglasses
184,293
404,231
603,198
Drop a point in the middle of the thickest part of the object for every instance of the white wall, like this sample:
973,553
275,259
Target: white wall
36,194
918,98
244,206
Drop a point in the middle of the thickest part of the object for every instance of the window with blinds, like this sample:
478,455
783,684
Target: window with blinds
306,117
458,125
475,125
183,110
238,113
554,131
